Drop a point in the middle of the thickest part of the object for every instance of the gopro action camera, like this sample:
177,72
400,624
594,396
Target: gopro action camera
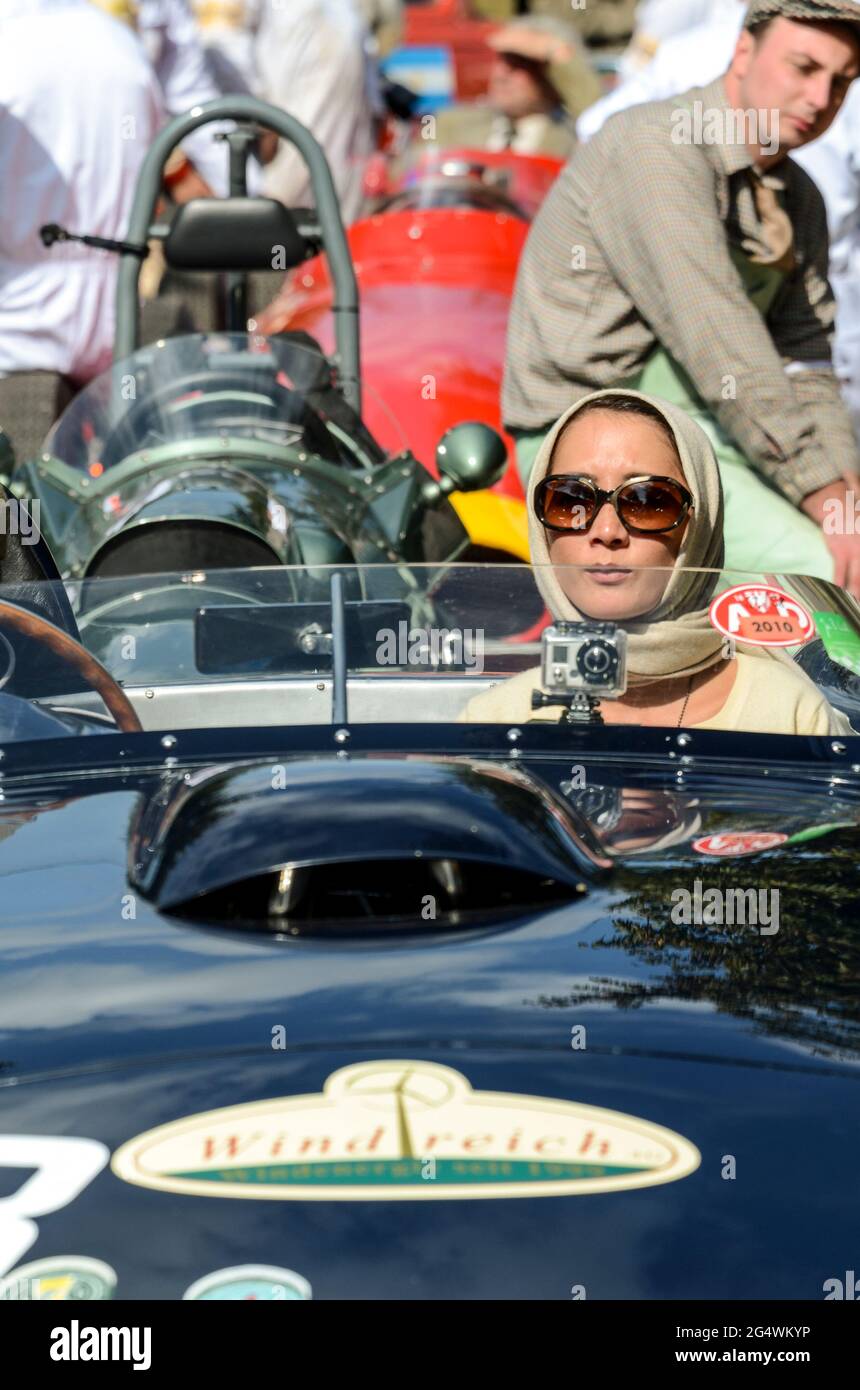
586,657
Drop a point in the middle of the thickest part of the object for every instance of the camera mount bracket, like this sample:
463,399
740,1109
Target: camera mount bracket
580,708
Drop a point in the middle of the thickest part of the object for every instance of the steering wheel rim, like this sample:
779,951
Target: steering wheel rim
76,656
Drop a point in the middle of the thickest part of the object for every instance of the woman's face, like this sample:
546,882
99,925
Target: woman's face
609,447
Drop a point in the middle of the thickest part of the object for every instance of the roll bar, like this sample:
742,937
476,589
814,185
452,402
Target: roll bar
148,189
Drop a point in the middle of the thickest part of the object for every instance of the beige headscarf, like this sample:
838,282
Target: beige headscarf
677,638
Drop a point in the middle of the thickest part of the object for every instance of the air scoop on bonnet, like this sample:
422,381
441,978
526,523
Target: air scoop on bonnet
331,845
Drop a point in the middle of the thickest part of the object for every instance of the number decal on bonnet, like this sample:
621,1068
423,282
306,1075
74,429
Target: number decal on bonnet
64,1167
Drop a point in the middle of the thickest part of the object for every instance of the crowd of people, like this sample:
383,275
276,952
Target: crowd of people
84,87
717,271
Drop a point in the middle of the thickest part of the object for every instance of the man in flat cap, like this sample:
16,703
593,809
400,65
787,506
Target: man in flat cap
540,81
681,252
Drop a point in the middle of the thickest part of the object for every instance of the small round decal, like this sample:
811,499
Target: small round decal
250,1283
761,616
61,1279
731,846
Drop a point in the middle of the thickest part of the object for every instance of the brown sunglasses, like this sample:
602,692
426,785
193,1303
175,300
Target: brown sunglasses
648,505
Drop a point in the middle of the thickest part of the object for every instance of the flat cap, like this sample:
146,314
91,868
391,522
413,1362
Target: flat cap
824,11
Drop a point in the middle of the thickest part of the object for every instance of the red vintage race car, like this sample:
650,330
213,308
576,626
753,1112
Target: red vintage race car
436,268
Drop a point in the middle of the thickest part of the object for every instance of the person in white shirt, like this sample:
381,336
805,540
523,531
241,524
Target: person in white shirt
228,32
79,107
199,50
312,60
692,57
834,163
695,58
168,31
659,20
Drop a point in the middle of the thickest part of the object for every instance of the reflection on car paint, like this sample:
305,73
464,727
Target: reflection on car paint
732,846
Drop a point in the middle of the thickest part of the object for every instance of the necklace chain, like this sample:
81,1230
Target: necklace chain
690,683
686,700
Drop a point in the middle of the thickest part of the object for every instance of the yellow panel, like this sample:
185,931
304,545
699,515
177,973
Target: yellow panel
493,520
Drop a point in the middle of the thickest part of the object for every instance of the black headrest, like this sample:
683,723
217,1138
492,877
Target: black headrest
234,234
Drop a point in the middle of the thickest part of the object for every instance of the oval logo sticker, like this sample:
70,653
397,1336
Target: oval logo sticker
761,616
734,845
383,1131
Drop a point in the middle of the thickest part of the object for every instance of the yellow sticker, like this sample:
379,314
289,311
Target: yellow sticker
59,1279
404,1130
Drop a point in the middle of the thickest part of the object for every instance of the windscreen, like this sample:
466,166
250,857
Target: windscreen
212,386
488,644
479,179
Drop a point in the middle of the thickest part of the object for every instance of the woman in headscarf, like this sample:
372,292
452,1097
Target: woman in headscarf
655,578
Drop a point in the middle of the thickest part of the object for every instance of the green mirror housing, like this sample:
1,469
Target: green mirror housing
469,457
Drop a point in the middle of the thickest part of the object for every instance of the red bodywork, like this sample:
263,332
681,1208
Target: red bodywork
435,286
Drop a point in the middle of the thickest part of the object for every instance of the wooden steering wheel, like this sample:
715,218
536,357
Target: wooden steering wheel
72,654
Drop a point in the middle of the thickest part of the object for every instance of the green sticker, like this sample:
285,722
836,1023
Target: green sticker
841,642
814,832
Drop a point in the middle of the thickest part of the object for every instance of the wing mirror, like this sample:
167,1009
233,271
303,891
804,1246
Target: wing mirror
469,457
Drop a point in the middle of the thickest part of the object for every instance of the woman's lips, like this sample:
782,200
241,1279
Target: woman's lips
608,574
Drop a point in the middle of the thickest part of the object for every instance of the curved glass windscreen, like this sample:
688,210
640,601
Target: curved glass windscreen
465,177
416,644
213,387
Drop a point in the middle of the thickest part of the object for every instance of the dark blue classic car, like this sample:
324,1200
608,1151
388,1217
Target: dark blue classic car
310,989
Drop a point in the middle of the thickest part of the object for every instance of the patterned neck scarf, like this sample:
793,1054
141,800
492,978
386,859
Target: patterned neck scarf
777,232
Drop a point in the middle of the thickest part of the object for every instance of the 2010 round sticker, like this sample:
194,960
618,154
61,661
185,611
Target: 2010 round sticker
733,845
761,615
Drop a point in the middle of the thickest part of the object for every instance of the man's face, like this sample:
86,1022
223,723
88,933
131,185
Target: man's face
802,70
516,88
